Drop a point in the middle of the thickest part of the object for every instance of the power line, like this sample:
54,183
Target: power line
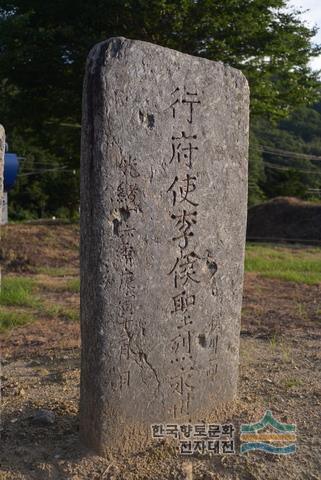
35,161
284,168
38,172
39,162
285,153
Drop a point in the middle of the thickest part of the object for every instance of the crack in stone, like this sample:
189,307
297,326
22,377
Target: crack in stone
144,356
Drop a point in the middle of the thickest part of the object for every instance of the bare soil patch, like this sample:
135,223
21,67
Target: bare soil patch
280,370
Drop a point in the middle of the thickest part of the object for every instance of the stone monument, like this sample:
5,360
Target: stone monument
163,218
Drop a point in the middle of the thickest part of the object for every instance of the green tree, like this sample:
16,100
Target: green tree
289,183
256,172
288,153
44,45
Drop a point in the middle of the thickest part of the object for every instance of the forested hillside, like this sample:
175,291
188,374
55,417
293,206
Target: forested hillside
286,157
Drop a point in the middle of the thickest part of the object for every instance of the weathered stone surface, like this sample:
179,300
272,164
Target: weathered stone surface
163,216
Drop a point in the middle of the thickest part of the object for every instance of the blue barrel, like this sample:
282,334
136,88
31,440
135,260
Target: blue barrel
11,167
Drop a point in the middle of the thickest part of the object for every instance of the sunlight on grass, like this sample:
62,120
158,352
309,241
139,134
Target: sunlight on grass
70,314
18,291
294,264
73,285
55,271
64,313
14,319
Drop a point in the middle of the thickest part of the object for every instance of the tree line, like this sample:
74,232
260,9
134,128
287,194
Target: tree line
43,49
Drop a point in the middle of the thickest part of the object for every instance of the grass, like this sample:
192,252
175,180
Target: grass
274,342
286,352
54,271
70,314
292,382
302,311
48,283
289,263
18,292
14,319
294,264
22,300
73,285
65,313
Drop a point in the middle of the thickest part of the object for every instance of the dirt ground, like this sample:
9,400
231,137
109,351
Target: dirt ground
280,370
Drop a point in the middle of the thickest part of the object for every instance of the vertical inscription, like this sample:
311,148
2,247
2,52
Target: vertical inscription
128,198
182,198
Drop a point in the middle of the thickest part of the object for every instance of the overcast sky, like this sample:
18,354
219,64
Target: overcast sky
312,18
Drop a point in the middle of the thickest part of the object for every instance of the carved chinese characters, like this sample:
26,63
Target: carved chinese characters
163,214
186,264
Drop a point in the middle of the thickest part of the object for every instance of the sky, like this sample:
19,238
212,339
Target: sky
312,18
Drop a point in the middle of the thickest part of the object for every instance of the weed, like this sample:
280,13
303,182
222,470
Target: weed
14,319
292,382
73,285
18,291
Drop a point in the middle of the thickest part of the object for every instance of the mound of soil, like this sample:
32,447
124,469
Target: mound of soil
285,218
25,247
